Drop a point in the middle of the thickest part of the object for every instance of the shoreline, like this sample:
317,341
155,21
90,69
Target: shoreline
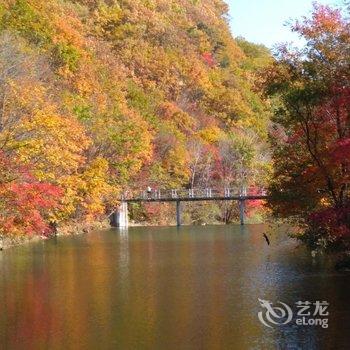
71,229
74,229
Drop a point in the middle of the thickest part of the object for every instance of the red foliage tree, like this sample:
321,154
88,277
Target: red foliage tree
26,204
312,156
209,59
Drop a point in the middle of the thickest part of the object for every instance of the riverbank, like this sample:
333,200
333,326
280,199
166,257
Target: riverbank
342,260
70,229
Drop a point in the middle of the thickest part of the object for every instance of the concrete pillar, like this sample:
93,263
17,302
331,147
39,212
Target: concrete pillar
120,218
178,213
241,211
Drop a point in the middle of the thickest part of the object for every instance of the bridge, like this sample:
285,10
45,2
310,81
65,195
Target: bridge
120,217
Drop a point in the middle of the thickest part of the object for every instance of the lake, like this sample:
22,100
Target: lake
168,288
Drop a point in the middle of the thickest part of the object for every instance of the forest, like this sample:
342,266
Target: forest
102,97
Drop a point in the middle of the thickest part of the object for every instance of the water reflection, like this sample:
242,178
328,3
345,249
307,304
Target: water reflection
164,288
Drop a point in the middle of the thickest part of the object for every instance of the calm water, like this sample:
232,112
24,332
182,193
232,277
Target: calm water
164,288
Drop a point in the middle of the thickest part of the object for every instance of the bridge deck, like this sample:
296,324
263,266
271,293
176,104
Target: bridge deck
196,199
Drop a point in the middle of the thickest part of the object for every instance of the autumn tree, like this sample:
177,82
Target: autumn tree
311,135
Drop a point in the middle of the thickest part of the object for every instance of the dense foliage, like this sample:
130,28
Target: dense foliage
97,97
311,134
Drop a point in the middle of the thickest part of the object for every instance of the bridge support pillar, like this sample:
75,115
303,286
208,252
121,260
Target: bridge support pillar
241,205
120,218
178,213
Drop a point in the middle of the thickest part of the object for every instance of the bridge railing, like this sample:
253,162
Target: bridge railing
157,194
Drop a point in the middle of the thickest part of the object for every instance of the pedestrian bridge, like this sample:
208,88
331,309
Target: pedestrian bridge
120,217
190,195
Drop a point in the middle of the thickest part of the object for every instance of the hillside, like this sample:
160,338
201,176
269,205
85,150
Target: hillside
99,97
